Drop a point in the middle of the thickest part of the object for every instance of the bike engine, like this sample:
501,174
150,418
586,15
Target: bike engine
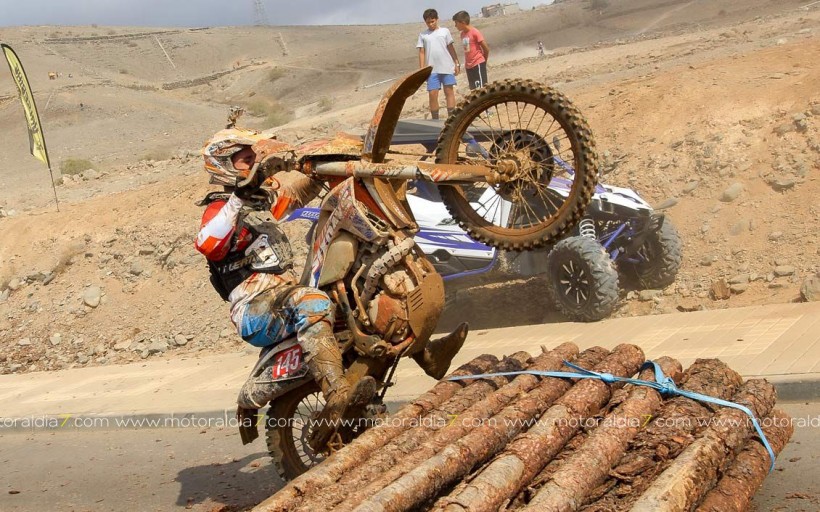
388,309
388,316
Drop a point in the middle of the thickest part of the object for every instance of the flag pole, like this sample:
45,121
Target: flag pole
53,187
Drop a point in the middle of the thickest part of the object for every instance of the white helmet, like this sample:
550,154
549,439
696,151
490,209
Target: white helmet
222,146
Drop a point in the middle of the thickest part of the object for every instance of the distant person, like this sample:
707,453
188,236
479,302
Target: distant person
436,49
540,49
476,50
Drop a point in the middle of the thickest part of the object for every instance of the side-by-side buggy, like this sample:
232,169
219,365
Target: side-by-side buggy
620,237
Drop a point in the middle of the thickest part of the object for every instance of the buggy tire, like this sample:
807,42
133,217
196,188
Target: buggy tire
584,162
583,283
663,248
282,445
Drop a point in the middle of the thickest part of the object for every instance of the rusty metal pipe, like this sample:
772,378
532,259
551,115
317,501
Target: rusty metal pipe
403,171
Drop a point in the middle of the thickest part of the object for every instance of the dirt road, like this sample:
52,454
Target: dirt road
208,469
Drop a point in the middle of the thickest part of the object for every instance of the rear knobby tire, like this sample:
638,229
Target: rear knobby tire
583,283
287,442
578,152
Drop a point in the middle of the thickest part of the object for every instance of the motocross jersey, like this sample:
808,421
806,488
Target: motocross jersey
247,252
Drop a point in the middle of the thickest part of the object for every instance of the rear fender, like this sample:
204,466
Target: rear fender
269,352
284,362
249,419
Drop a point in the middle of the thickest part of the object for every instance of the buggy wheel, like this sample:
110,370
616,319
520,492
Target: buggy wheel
660,257
583,282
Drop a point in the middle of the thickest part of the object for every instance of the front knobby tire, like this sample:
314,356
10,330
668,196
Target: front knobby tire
539,131
583,282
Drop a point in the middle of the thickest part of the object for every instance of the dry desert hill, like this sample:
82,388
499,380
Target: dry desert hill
687,99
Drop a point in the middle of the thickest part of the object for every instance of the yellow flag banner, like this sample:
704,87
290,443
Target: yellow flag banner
35,132
37,141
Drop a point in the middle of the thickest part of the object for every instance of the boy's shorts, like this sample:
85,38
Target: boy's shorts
436,80
477,76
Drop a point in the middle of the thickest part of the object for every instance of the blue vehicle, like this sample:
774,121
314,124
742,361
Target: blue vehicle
620,237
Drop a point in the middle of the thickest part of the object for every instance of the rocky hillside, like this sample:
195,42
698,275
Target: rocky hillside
714,117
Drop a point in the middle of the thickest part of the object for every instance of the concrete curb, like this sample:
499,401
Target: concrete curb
796,388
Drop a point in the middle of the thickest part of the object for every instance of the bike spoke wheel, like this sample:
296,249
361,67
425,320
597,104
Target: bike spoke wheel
542,150
288,430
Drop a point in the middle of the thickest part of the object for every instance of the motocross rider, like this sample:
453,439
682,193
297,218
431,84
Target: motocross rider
251,265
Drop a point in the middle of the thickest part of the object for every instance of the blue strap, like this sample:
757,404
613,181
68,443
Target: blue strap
663,384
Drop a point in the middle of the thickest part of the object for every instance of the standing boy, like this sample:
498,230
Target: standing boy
436,49
476,50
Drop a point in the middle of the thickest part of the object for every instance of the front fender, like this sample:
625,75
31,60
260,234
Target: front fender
380,134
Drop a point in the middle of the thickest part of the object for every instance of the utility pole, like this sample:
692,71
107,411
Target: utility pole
260,17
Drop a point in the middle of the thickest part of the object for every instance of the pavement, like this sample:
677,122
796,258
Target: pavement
779,342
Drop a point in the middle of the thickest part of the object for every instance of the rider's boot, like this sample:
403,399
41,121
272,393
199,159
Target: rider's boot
324,361
325,366
438,354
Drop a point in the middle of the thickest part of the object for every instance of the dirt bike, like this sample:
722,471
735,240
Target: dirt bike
513,137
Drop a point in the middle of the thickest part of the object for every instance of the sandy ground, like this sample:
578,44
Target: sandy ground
685,99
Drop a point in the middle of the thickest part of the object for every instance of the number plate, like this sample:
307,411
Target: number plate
287,363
